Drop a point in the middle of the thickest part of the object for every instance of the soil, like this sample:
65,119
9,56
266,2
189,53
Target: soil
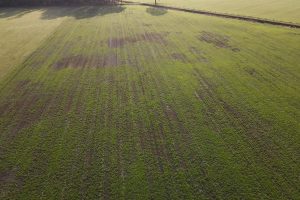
219,41
7,177
21,85
148,37
198,54
111,60
179,57
93,61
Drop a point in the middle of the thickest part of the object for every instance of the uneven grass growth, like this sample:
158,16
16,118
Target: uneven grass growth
131,105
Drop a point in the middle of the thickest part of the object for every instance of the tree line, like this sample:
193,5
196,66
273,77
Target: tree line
52,2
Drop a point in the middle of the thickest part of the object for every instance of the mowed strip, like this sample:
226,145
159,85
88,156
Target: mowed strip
123,103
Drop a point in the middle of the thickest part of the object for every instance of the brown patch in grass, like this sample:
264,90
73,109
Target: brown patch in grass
171,113
158,150
21,85
155,37
154,143
147,25
77,61
134,92
185,138
70,98
117,42
88,157
39,162
198,54
12,101
149,37
69,103
215,39
26,109
35,115
179,57
10,177
7,177
213,103
182,137
111,60
4,108
19,88
218,40
293,33
92,61
255,74
251,71
29,113
235,49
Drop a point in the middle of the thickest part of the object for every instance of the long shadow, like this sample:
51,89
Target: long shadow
156,11
82,12
15,12
48,13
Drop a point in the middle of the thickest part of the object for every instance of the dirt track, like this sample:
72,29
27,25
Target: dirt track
224,15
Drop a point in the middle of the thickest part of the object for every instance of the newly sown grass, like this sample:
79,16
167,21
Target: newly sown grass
118,103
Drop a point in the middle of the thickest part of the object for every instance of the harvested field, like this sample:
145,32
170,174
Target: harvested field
128,102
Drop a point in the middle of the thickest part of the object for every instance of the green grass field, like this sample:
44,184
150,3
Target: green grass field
281,10
131,102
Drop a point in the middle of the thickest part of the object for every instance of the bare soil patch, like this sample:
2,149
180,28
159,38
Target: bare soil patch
25,109
77,61
91,61
218,40
255,74
21,85
198,54
179,57
147,25
10,177
171,113
251,71
69,103
88,157
7,177
149,37
111,60
3,108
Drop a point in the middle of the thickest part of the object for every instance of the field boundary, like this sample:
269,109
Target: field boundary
217,14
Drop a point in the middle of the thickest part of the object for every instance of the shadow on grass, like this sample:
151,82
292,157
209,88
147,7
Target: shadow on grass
82,12
156,11
49,13
14,12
